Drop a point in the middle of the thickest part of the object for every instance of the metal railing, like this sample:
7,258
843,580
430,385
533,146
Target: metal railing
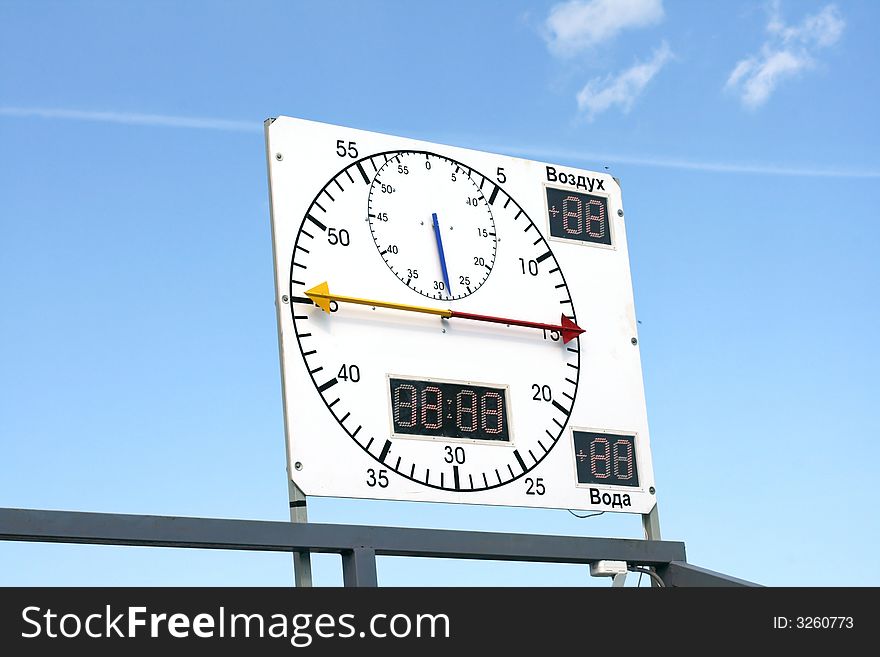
358,545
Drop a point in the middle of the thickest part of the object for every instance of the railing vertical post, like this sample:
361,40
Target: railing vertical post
359,567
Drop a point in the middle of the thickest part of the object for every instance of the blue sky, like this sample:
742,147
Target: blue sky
137,331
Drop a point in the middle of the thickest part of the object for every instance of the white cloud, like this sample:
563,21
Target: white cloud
133,118
790,50
822,29
599,94
164,120
760,75
580,24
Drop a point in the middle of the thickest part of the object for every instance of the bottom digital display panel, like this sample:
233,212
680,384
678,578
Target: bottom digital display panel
447,409
605,458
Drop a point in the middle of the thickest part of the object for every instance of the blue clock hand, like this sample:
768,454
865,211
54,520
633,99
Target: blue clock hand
442,257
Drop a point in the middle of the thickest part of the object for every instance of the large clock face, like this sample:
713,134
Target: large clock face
474,392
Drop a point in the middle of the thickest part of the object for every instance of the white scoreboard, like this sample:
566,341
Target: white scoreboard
454,325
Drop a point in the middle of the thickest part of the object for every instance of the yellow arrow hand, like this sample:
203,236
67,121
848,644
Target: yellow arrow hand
321,296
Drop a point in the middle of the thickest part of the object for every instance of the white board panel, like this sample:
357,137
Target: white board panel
426,394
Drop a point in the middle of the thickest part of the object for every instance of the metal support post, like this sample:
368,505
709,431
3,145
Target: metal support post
651,525
302,561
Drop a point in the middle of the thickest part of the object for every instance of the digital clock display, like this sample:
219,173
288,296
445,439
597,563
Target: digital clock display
579,217
605,458
444,409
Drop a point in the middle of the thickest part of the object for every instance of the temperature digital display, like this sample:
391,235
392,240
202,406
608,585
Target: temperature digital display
577,216
605,458
443,409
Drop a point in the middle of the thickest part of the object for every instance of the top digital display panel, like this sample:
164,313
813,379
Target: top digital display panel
578,217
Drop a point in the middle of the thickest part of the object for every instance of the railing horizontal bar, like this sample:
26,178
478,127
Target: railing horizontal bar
259,535
677,573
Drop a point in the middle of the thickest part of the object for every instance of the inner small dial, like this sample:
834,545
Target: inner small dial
432,225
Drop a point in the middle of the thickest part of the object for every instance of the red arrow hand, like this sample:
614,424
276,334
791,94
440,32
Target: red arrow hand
567,328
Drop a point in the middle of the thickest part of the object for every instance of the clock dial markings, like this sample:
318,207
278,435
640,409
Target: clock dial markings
405,194
483,464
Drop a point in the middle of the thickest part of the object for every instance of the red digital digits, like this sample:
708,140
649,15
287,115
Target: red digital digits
436,407
409,406
478,412
469,410
611,459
